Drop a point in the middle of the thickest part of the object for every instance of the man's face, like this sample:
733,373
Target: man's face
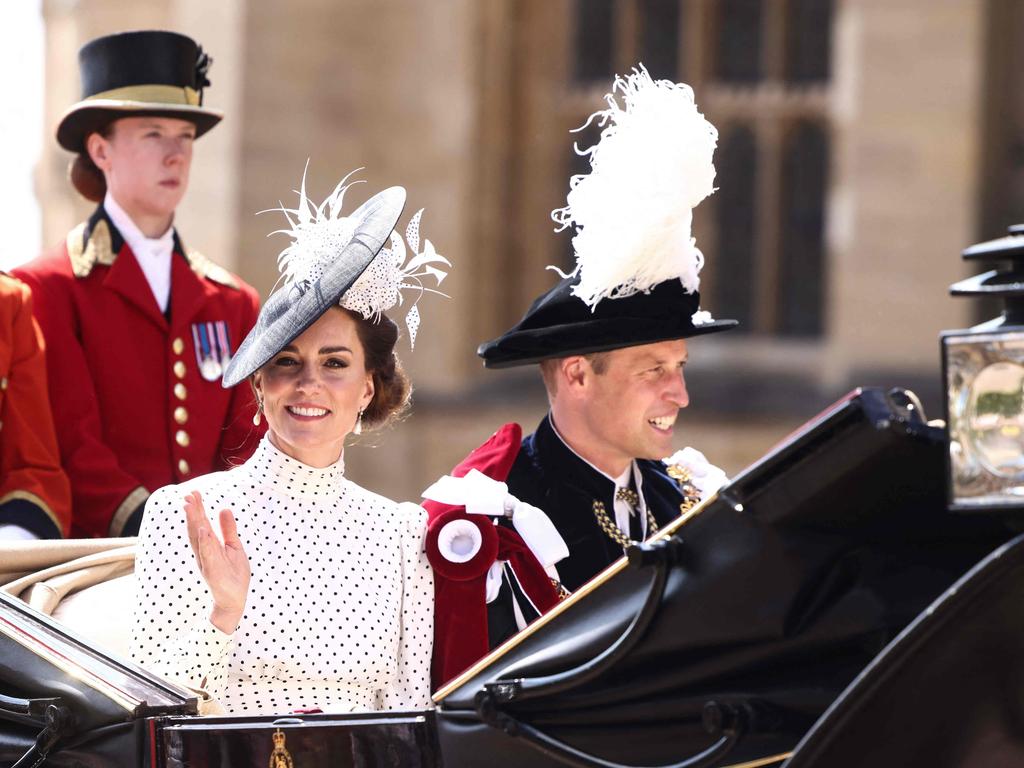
146,162
630,408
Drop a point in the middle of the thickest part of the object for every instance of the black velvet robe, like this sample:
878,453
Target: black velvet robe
547,474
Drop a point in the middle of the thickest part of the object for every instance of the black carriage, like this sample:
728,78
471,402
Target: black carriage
721,641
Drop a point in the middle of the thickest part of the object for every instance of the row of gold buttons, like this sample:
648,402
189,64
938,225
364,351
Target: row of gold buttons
180,392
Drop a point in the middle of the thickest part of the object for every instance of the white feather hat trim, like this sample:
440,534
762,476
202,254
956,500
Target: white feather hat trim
319,233
633,212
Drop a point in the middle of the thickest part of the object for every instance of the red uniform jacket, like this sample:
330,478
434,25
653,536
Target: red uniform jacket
133,411
34,491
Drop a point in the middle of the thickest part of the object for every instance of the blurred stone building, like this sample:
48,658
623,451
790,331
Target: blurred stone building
863,143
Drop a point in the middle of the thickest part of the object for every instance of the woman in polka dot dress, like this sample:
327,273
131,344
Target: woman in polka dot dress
280,584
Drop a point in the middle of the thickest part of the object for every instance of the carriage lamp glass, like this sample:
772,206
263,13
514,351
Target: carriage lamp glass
985,416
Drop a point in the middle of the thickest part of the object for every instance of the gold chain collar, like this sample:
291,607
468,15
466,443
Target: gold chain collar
690,498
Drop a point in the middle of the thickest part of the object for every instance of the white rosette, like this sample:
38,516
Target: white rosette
482,495
458,541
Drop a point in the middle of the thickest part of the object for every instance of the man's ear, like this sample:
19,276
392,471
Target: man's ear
574,373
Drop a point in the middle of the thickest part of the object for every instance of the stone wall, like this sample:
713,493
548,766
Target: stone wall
448,99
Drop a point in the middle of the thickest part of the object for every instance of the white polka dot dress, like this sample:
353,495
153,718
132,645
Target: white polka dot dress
339,615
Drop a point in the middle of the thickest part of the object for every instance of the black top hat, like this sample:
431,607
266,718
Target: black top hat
138,73
559,324
292,309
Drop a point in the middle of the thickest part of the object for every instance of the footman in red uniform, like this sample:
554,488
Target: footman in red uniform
139,326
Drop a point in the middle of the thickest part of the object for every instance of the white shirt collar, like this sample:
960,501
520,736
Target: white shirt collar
152,253
130,231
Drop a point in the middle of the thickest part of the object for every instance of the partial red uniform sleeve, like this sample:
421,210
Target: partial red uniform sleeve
34,491
99,485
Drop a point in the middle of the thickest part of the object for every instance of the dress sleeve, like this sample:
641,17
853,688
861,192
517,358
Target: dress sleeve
410,688
171,632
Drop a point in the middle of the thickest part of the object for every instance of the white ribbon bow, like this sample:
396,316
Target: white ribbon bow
481,495
705,476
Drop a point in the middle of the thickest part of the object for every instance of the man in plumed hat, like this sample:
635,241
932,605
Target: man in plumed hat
611,341
138,326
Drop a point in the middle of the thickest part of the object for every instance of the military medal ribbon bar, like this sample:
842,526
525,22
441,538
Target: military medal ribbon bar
212,343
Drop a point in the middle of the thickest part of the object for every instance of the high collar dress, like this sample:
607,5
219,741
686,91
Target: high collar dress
339,615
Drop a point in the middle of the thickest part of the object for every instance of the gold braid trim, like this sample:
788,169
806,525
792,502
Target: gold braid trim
204,267
33,499
155,96
125,509
84,255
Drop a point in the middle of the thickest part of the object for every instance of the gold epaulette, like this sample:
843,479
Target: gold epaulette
203,267
85,255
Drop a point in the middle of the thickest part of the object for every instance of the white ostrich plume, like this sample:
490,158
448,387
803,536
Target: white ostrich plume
319,233
633,212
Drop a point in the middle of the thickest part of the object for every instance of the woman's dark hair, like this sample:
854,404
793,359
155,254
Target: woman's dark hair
85,176
391,387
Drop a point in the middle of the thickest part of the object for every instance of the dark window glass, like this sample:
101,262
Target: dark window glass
738,49
594,40
578,165
659,40
808,40
733,263
802,252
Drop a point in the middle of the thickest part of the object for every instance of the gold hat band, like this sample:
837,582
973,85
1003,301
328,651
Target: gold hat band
153,94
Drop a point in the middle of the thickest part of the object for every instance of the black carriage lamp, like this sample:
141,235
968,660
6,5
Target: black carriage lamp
983,368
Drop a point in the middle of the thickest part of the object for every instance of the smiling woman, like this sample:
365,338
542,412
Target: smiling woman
349,361
239,618
315,390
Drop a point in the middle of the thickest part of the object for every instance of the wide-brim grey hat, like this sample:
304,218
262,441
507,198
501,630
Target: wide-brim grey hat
292,309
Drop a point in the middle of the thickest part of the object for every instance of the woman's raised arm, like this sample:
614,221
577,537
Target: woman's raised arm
223,565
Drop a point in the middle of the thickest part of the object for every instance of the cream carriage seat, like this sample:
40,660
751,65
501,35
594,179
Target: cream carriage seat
85,584
88,585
